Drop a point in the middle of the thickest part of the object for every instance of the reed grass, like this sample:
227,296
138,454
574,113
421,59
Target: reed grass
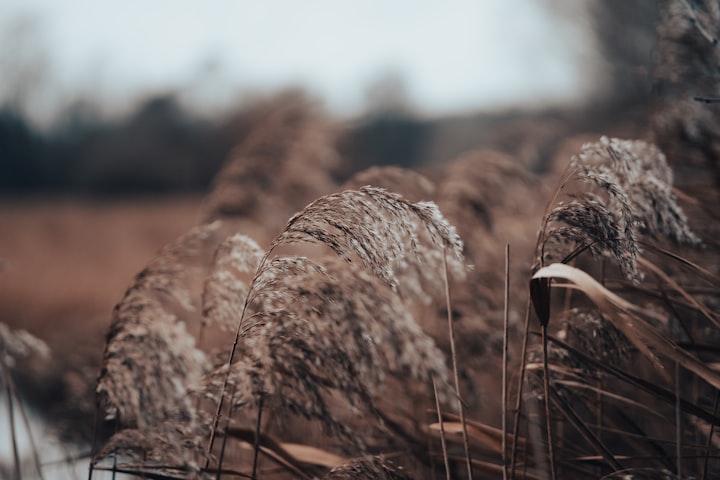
348,322
322,340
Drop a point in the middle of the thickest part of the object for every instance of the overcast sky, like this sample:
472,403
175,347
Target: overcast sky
454,55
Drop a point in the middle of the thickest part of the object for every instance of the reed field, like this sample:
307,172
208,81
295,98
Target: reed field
544,312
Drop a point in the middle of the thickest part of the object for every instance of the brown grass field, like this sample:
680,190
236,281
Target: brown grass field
252,342
70,260
546,309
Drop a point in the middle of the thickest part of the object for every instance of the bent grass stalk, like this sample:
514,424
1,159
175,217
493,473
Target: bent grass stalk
456,377
506,314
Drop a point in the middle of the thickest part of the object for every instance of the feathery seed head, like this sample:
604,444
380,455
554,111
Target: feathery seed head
631,196
380,228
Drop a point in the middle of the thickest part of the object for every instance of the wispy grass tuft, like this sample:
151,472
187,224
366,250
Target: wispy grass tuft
321,329
150,360
630,195
381,228
226,287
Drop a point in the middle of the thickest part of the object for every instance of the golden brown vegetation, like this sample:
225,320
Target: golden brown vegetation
351,340
328,363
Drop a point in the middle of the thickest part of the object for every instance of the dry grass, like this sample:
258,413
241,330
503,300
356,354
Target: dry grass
322,342
273,345
336,349
314,340
582,372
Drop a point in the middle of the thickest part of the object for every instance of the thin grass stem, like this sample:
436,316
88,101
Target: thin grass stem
505,361
461,406
231,357
678,421
256,446
31,436
442,431
11,416
548,418
93,448
225,435
710,436
518,400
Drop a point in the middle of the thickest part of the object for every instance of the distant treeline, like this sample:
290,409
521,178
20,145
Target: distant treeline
162,148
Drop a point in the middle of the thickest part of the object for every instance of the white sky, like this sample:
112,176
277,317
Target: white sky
453,55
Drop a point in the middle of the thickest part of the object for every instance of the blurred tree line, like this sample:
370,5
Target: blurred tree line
163,148
159,148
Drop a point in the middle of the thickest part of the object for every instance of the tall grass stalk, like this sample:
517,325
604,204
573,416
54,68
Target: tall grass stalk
17,345
443,441
678,423
11,416
519,399
456,377
225,435
709,443
221,399
256,446
548,413
506,311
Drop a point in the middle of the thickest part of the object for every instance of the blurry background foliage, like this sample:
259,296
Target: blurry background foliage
162,146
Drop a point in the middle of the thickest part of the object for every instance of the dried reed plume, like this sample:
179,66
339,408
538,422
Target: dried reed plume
630,195
150,359
382,229
152,367
322,329
308,329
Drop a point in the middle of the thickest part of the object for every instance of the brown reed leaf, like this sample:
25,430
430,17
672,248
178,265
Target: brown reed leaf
483,437
291,456
629,319
170,447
